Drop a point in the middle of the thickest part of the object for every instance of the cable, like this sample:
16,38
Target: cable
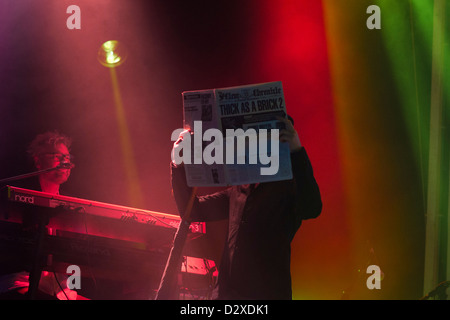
59,284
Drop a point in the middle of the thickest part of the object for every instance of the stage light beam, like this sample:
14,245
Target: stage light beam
112,54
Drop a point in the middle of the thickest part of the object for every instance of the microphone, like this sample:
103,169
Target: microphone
65,165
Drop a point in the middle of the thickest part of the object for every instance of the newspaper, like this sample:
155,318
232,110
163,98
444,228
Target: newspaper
241,111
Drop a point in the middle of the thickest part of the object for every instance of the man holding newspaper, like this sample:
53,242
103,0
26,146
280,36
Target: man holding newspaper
263,214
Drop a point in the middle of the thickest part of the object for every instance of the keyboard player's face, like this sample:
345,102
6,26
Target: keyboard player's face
51,159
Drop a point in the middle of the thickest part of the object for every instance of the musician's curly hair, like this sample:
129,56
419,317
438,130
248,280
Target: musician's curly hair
50,138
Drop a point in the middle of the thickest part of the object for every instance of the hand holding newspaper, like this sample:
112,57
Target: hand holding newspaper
234,136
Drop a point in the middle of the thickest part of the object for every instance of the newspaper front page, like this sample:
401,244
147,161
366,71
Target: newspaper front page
248,150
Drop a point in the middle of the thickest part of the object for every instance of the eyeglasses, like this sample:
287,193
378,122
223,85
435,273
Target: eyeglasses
61,157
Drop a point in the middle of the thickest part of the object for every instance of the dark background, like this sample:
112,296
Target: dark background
360,149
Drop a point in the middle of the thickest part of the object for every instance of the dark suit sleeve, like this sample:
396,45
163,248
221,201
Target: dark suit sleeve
212,207
308,204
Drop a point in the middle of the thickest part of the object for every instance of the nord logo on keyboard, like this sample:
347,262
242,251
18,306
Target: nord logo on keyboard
25,199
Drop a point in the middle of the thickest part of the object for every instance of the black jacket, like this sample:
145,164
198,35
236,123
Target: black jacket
263,220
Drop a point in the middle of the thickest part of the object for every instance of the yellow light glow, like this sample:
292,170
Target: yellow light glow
112,54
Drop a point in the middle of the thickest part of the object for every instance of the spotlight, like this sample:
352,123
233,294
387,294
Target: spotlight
112,54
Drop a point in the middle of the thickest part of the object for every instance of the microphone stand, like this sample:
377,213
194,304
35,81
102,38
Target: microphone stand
168,282
36,173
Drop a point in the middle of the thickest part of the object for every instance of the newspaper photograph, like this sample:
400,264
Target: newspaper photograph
235,136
